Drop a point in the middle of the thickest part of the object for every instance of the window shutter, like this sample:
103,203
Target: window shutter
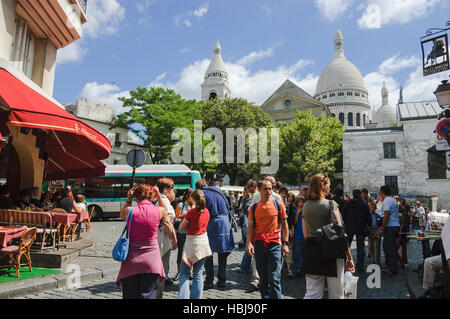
22,52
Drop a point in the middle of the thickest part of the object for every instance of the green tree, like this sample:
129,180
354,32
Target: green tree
153,114
309,145
235,113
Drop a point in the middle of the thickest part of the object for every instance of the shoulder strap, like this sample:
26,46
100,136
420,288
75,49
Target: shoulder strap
277,205
253,212
129,216
330,203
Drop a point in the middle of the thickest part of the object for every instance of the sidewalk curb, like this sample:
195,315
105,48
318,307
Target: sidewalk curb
33,286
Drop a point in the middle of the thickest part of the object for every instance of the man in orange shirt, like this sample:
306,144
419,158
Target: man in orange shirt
263,241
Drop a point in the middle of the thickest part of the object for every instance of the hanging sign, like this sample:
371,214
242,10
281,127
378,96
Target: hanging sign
435,55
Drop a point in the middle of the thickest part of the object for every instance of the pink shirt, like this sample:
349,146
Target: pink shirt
145,222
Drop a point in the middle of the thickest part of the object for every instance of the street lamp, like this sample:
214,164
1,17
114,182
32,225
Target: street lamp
443,97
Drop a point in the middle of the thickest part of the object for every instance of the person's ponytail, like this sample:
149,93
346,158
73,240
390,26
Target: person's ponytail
199,198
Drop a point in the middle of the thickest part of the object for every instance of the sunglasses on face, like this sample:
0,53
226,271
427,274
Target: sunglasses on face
169,187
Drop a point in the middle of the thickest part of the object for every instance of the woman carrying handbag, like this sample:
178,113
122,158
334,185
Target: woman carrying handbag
317,264
143,267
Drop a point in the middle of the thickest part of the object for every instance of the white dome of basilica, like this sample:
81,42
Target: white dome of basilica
340,73
341,88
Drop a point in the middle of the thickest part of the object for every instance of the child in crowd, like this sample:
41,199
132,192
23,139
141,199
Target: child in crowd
374,241
299,238
81,202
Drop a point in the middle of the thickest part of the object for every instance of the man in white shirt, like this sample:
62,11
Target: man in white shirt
165,186
433,265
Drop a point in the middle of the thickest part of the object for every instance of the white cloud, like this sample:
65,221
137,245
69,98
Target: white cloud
421,88
103,18
383,12
395,64
74,52
255,56
332,9
104,94
186,17
255,86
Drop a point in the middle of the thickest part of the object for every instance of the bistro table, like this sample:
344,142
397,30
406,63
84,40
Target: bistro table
9,232
64,221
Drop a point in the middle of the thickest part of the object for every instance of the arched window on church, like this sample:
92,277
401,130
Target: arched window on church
333,115
212,95
341,117
437,166
364,120
350,119
358,119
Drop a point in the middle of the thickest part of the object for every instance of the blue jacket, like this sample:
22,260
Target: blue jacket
220,233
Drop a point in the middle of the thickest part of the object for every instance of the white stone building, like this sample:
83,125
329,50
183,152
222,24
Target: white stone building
398,150
341,88
215,84
100,117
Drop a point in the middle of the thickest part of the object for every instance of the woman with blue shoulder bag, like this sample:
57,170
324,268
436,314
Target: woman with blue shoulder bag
142,267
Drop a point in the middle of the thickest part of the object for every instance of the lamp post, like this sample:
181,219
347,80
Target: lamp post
443,97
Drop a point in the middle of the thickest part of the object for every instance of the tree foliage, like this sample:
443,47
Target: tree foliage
309,145
235,113
153,114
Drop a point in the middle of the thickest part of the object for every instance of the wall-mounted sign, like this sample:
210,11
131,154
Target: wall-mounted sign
442,145
435,55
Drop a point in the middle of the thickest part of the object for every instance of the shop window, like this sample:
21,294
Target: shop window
392,182
389,150
437,167
22,51
117,142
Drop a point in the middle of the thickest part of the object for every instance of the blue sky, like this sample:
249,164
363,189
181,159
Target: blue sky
169,43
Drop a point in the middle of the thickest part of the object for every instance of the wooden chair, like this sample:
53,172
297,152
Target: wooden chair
15,253
88,222
42,221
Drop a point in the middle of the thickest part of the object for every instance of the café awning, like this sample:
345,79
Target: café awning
74,149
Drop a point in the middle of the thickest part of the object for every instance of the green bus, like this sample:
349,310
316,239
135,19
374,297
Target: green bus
107,194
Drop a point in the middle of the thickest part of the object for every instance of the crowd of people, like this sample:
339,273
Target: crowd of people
31,199
278,229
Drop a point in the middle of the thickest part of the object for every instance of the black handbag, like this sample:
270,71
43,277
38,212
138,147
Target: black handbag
333,243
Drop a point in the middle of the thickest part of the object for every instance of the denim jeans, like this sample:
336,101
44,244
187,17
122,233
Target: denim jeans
299,246
360,249
390,252
268,264
246,261
209,267
197,282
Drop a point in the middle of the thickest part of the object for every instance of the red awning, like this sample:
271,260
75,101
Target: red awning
74,148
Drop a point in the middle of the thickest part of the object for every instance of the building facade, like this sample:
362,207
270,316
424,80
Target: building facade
101,117
283,104
399,154
34,126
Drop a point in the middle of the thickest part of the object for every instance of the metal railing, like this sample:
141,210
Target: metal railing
83,4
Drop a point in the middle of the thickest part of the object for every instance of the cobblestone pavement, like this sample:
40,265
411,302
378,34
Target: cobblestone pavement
106,233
